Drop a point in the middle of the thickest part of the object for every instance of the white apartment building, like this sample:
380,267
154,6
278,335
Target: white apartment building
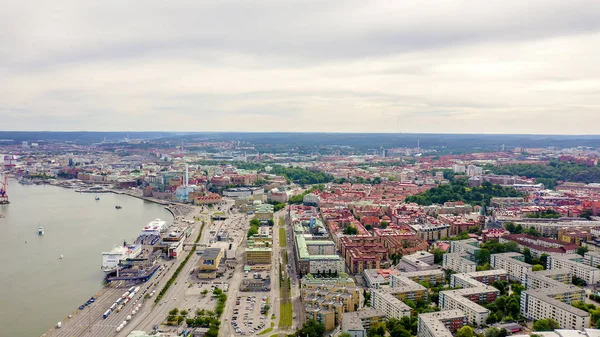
512,263
547,278
418,261
440,324
458,263
457,299
537,304
470,246
574,263
592,258
386,302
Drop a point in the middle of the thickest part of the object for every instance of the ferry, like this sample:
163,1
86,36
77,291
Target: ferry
40,230
110,260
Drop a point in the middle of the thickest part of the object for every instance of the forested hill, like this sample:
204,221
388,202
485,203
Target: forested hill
550,174
459,191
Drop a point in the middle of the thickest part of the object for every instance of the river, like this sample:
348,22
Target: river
37,289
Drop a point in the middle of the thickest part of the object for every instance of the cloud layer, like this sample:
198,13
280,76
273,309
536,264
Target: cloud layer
350,66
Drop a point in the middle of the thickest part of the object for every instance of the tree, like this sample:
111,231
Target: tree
586,214
311,328
509,226
204,292
465,331
496,332
383,224
376,330
350,230
537,267
438,255
345,334
482,256
527,255
582,250
545,324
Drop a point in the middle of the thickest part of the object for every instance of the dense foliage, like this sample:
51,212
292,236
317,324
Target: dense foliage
458,190
297,199
311,328
551,173
545,214
545,324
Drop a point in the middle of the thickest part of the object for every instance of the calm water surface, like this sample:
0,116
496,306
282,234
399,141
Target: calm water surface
37,289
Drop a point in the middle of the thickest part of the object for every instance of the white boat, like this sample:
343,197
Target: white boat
61,256
110,260
40,230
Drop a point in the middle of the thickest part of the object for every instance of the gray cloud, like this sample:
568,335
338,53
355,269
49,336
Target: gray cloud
439,66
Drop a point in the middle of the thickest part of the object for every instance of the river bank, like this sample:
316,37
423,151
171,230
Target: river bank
76,226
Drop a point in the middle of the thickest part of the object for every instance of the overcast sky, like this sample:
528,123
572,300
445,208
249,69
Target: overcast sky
335,66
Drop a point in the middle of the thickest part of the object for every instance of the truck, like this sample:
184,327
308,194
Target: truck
131,289
58,325
136,289
119,308
113,307
131,295
106,314
119,301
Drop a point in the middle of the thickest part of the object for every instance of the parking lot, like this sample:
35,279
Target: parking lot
247,318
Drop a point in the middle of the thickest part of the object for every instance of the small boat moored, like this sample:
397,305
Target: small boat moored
40,230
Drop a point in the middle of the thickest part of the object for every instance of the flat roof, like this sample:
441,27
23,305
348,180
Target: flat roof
210,253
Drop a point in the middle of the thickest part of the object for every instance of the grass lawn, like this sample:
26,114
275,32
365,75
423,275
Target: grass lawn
286,314
282,237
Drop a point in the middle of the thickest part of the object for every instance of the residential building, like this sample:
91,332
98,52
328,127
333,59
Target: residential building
513,263
474,292
375,278
434,276
317,256
418,261
327,302
357,323
458,263
575,264
431,231
441,324
389,304
592,258
404,288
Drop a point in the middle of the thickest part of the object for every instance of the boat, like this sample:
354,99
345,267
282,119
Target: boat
40,230
61,256
97,198
118,207
111,260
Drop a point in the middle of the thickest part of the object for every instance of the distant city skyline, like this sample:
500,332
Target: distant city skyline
499,67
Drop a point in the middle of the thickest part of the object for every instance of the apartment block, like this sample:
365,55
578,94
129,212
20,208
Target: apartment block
547,278
435,276
314,256
404,288
431,232
575,264
357,323
540,245
592,259
475,279
420,260
552,298
389,304
513,263
537,304
473,292
376,278
320,300
458,262
441,324
470,246
362,252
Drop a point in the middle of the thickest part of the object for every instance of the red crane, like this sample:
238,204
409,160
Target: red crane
3,194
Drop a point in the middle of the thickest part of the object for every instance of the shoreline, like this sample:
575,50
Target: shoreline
169,206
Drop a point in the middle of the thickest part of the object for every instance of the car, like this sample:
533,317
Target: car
81,307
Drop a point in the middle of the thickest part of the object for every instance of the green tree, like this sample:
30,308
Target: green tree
345,334
582,250
545,324
376,330
311,328
496,332
350,230
465,331
527,255
438,255
586,214
483,256
537,267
